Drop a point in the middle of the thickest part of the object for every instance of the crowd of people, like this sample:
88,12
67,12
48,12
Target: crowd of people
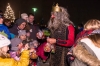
22,43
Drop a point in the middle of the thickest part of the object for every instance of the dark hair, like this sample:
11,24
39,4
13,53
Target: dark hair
24,42
80,25
6,20
30,14
1,11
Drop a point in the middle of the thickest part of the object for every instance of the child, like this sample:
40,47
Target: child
3,27
5,60
22,34
42,53
25,44
16,46
33,57
28,36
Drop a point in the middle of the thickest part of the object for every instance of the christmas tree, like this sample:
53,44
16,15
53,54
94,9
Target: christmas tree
9,14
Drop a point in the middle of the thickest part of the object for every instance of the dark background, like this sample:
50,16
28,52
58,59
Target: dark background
80,10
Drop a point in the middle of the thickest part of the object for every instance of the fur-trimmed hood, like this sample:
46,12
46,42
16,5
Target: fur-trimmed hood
84,54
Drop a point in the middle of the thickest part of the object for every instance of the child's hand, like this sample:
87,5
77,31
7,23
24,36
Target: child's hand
32,50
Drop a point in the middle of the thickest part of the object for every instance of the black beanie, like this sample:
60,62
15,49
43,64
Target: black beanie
20,21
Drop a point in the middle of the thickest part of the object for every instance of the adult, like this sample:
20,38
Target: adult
62,33
25,17
33,28
90,27
20,25
87,51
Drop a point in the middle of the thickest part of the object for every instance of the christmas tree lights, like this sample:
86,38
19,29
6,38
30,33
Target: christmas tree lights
9,14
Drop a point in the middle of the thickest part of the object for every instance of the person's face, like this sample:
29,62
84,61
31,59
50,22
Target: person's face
52,15
31,18
27,46
5,49
20,46
8,23
1,20
22,26
23,37
35,45
26,18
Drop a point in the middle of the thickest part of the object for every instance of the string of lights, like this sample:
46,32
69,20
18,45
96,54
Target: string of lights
9,13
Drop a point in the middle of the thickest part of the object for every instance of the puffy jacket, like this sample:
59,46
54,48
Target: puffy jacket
24,60
5,29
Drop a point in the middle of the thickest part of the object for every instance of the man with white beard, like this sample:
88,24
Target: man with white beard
62,35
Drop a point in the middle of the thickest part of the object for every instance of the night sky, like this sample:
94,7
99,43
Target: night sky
80,10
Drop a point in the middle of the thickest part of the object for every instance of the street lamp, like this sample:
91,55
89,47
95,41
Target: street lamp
34,10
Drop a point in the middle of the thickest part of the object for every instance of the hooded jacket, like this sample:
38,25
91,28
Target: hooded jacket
5,29
24,60
84,56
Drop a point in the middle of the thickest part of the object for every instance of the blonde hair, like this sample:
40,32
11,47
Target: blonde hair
95,38
3,54
92,24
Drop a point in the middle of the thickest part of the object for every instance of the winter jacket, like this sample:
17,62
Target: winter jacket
13,55
41,53
14,30
5,29
84,56
33,31
24,60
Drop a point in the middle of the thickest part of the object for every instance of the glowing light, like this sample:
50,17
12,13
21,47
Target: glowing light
34,9
9,14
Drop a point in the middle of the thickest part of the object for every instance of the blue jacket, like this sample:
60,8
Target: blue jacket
5,29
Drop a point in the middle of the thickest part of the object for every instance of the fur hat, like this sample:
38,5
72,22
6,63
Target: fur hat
21,32
14,43
4,41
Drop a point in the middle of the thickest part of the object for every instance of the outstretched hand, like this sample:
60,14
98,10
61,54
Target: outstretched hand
51,40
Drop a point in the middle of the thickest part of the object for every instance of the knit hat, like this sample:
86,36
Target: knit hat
21,32
14,43
20,21
4,41
24,15
35,41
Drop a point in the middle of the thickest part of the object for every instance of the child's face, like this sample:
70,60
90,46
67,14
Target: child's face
35,45
26,46
20,46
23,37
5,49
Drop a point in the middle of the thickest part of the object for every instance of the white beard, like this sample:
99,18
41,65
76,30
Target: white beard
54,24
